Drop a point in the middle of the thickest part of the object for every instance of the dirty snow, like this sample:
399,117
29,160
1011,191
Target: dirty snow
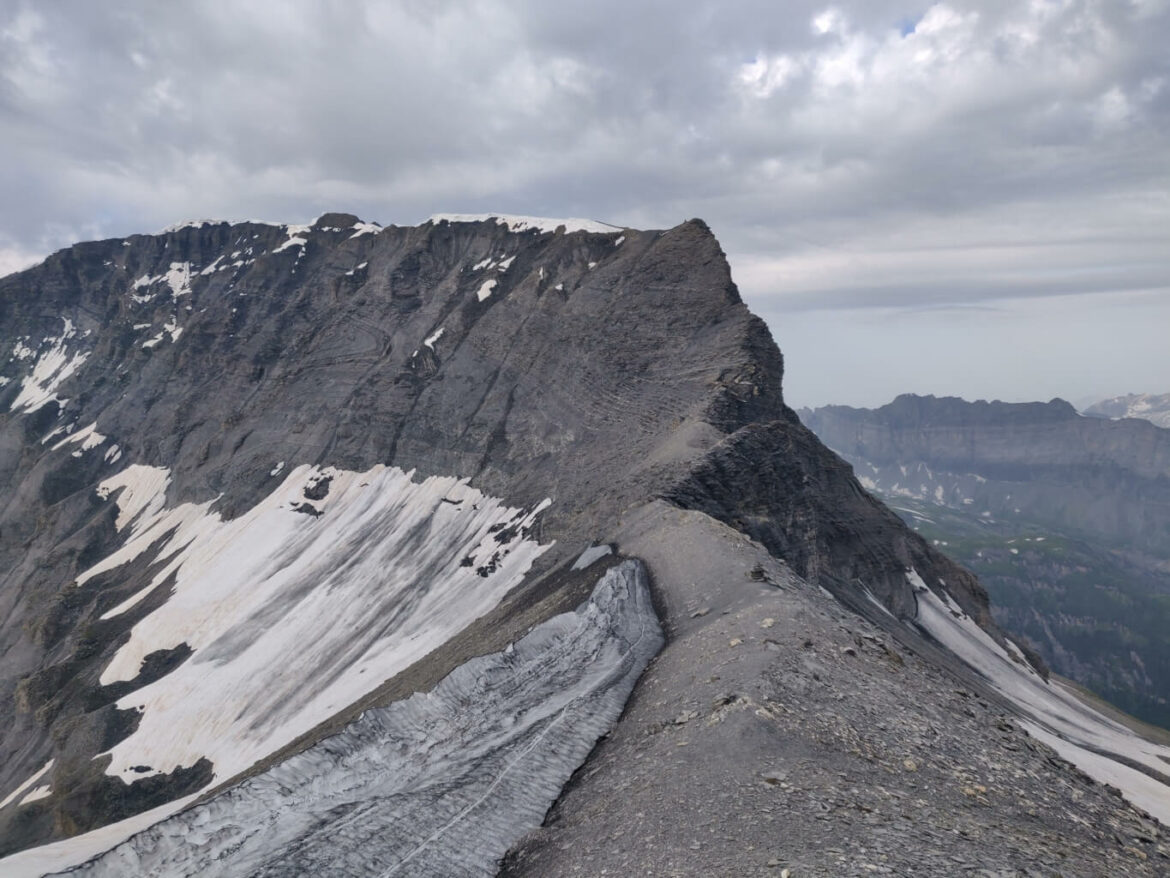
289,622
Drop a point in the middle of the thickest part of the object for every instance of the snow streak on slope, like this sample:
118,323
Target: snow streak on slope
441,783
50,370
27,785
1086,737
331,584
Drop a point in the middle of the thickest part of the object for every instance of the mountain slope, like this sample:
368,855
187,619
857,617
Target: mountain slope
1064,518
261,479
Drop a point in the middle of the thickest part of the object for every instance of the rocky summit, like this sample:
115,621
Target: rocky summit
488,546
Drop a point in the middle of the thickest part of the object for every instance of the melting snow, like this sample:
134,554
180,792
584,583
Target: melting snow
11,797
49,372
293,616
171,328
292,242
361,228
505,264
191,224
89,438
41,792
178,278
524,223
211,269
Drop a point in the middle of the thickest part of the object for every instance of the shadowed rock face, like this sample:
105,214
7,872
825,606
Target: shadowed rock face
600,371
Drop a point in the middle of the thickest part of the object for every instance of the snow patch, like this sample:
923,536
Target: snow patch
214,266
36,775
191,224
526,223
292,242
361,228
290,616
41,792
590,555
171,328
430,340
89,438
49,372
486,288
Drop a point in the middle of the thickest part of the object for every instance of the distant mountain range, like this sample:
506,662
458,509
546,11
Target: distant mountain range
1147,406
1065,519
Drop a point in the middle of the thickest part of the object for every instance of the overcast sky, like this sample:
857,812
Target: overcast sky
967,198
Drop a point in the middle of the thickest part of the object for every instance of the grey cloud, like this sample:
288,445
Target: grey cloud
792,140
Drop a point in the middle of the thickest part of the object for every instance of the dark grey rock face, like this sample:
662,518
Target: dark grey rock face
597,370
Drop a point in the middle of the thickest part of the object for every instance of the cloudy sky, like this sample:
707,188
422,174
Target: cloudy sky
967,198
